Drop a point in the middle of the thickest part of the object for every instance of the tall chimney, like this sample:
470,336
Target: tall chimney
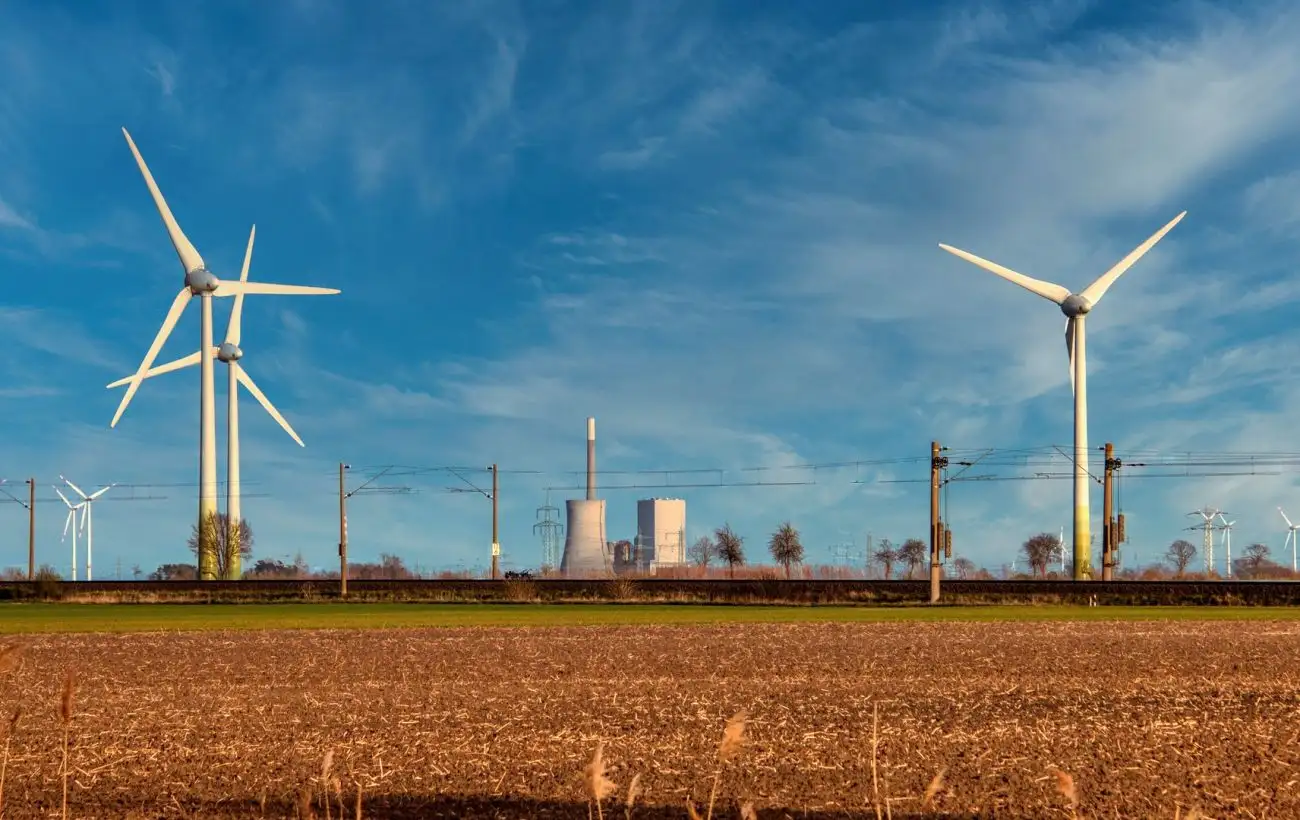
591,458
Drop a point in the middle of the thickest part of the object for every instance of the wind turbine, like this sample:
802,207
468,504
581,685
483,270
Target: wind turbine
87,522
199,281
1075,307
1207,514
230,353
71,520
1227,543
1290,538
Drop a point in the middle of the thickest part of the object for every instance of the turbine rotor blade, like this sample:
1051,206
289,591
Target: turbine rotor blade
1097,289
247,382
1047,290
173,316
266,289
101,491
74,487
236,313
67,519
64,497
1069,348
1284,518
178,364
189,256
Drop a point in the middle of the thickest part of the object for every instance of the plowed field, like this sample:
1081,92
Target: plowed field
1143,719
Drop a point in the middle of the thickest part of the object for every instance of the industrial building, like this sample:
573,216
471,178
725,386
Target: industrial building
660,533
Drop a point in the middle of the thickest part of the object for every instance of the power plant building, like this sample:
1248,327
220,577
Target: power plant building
660,533
585,550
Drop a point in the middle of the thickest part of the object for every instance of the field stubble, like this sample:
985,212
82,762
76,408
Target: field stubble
1141,720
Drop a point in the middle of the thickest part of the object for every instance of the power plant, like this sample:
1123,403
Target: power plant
585,550
660,533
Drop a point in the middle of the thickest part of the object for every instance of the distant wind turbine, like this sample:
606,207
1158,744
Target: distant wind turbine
1075,307
1290,538
71,520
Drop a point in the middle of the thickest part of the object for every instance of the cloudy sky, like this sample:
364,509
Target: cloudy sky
713,226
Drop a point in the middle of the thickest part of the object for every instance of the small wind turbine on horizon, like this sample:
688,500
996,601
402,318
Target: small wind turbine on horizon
71,520
1290,538
199,281
230,353
1226,529
1075,307
87,521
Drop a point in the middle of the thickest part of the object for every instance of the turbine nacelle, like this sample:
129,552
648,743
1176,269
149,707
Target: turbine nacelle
201,281
229,352
1074,306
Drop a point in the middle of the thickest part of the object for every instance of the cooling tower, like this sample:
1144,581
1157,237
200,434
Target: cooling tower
584,541
661,531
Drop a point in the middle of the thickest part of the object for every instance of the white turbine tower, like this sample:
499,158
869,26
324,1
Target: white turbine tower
71,520
87,523
1075,307
230,353
199,281
1226,529
1290,538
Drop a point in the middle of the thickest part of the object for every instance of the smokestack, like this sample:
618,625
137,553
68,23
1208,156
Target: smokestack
591,458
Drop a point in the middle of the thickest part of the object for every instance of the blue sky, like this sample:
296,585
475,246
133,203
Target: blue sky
713,226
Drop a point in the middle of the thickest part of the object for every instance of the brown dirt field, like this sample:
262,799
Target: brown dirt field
1149,719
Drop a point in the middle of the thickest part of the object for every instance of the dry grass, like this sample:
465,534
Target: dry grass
1149,720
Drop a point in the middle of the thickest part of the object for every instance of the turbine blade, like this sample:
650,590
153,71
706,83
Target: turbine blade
178,364
266,289
236,313
173,316
74,487
67,519
1047,290
1069,348
247,382
189,257
64,497
99,492
1097,289
1284,518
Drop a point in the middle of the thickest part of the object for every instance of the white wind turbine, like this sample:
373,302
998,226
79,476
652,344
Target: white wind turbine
87,523
230,353
1226,529
71,520
199,281
1075,307
1290,538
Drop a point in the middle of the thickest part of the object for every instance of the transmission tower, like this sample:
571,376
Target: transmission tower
551,531
1207,515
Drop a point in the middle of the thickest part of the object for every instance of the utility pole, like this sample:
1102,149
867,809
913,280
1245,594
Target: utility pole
1112,529
343,534
31,529
938,533
496,543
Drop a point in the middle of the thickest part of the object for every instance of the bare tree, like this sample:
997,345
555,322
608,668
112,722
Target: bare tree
785,547
886,556
701,552
1180,554
913,554
232,543
1256,557
729,547
964,567
1039,550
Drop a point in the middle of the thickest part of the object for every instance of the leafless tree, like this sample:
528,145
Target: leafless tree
701,552
1180,554
729,547
913,553
229,541
964,567
886,556
1255,557
1039,550
785,547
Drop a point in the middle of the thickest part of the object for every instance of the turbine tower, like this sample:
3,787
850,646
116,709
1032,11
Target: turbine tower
199,281
1207,514
230,353
71,520
1226,529
1290,538
1075,307
87,525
